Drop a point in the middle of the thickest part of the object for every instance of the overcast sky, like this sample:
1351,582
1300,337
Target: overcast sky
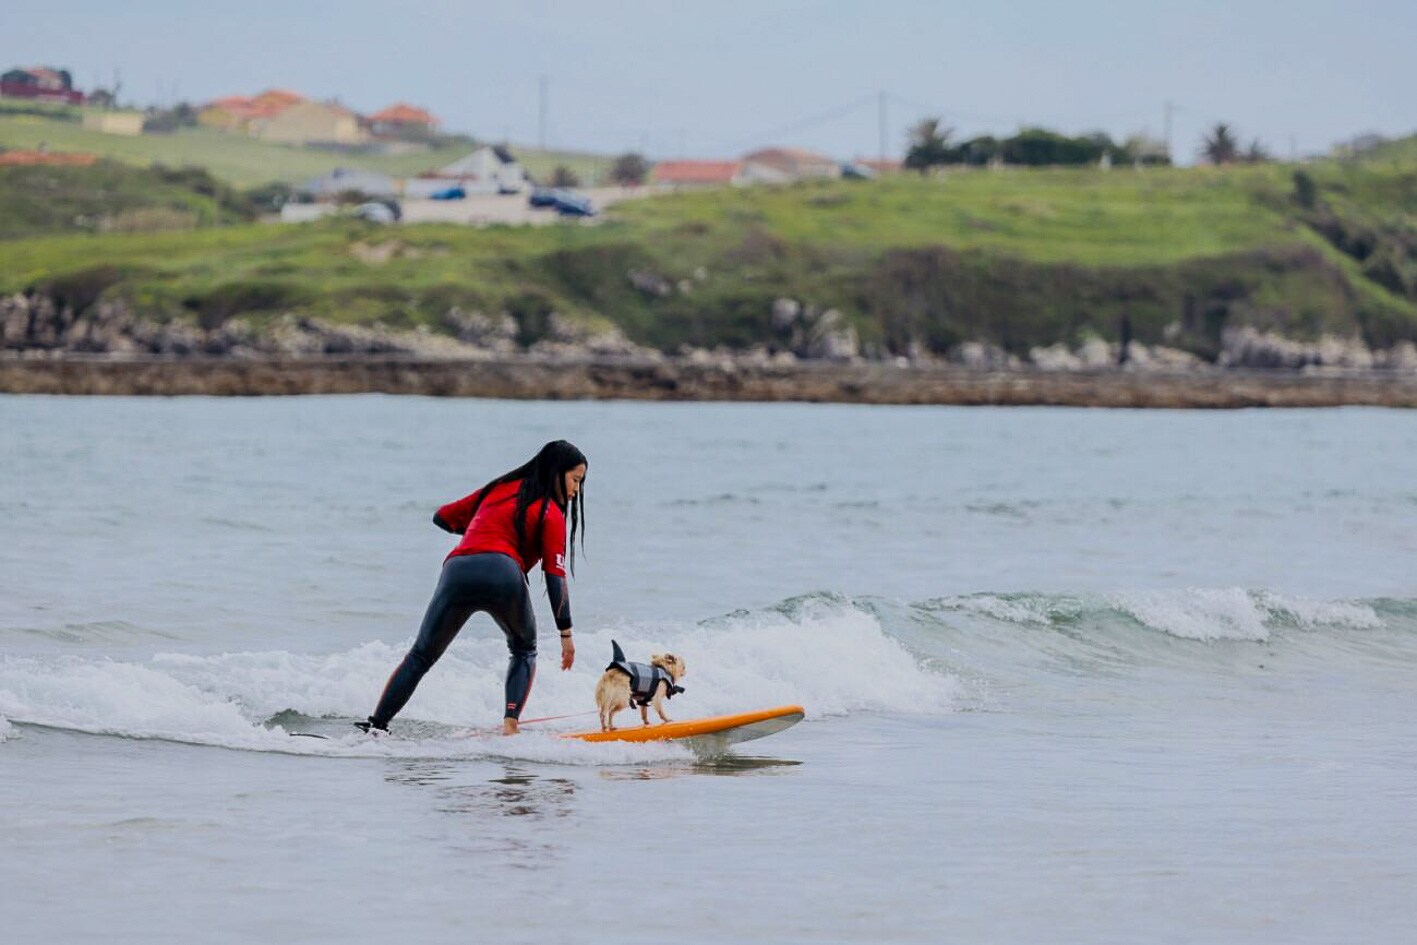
716,79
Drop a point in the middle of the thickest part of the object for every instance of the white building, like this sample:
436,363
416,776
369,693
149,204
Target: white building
488,170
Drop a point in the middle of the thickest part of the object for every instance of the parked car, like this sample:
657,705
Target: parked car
449,193
571,205
377,211
542,197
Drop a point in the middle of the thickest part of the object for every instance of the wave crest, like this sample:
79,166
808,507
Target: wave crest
1191,614
821,651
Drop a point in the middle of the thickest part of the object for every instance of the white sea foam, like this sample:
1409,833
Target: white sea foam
1314,614
1197,613
1033,609
6,729
1237,614
830,657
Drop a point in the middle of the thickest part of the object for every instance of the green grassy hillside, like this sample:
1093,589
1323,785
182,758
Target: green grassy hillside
243,161
1019,258
114,197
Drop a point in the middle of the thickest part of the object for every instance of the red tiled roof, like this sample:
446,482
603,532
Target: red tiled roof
405,114
887,166
72,159
281,97
696,172
268,103
788,155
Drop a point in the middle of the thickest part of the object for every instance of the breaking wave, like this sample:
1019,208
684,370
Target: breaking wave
1203,614
821,652
835,655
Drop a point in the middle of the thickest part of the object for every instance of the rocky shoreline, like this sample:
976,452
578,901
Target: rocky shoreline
689,379
89,346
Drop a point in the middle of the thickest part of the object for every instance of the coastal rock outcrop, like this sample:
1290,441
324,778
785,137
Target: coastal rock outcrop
982,356
1246,347
38,325
814,333
496,333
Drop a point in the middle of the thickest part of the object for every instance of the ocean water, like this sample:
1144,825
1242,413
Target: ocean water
1070,676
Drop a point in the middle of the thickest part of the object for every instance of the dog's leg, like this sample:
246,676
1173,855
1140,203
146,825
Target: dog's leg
659,707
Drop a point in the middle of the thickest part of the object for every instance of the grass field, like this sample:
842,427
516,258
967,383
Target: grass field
1084,216
245,161
1016,257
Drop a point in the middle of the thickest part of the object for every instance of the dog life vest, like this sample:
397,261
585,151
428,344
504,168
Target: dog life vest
644,678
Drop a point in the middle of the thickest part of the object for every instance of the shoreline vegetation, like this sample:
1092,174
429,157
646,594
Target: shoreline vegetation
1208,286
627,377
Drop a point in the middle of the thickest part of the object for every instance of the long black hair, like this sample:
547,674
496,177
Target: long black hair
543,480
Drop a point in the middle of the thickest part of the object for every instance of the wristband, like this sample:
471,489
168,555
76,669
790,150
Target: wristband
565,634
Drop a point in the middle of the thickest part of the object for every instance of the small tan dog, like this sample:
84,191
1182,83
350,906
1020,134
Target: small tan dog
626,684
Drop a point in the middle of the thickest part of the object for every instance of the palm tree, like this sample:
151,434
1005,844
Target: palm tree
1221,146
929,144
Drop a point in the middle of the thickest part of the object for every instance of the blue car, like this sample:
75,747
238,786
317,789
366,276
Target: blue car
569,205
449,193
542,197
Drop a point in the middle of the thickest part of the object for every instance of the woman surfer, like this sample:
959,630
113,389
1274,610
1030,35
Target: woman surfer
506,526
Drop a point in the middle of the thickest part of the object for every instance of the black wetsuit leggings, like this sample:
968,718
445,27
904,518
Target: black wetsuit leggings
488,582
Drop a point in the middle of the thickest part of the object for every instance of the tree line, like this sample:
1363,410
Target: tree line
934,144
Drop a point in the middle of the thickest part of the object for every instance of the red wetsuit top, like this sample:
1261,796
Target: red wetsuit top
493,528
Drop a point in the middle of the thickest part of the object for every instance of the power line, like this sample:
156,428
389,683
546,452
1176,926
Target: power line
801,124
953,114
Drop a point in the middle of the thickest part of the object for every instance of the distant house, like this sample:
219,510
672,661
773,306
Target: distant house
237,112
697,173
402,121
344,180
25,158
41,84
879,167
114,123
310,123
489,169
789,164
227,114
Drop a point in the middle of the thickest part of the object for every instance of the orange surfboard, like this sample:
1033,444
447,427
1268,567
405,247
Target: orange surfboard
722,729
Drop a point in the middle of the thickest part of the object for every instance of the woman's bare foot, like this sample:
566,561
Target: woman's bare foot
510,727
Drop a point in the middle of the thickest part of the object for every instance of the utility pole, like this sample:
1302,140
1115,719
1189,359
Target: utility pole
545,93
1166,132
883,124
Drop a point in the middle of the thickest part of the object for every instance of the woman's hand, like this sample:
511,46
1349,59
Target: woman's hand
568,652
